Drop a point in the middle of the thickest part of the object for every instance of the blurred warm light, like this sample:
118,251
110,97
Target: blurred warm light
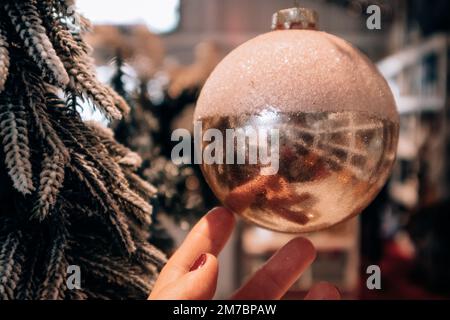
159,16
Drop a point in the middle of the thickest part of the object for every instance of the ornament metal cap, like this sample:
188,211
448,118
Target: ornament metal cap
295,18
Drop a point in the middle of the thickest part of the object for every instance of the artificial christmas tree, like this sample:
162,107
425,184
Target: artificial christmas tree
68,191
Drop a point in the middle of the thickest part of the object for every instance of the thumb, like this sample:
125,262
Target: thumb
198,284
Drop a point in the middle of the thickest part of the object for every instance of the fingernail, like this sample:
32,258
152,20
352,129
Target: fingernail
200,262
338,290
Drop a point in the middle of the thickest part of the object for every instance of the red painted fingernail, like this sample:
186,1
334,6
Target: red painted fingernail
200,262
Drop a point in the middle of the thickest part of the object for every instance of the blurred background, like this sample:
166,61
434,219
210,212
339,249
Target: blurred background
158,54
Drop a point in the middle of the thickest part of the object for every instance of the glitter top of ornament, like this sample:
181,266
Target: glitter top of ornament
296,70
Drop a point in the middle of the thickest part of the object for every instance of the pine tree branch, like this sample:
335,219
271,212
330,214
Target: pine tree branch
116,216
14,136
53,285
26,19
10,267
4,59
51,181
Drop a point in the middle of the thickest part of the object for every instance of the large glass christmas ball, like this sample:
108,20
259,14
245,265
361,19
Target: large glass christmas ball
337,130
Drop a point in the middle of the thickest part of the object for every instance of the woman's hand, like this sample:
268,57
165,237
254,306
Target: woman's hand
191,273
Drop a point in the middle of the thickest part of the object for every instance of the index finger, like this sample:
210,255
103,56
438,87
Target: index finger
278,274
209,235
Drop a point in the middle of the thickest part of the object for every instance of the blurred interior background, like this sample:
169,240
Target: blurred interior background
158,54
